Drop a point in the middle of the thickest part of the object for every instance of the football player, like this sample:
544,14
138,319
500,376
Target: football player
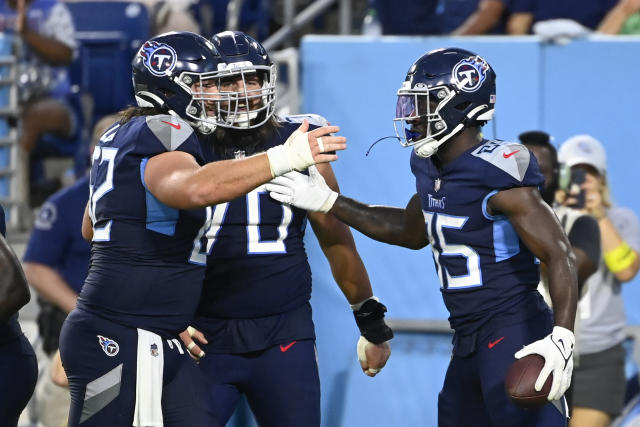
147,211
18,365
254,321
478,205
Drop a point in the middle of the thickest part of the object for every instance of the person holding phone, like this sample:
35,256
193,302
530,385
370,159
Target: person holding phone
599,377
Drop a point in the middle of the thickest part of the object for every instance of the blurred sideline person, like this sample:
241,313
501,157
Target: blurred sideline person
488,17
51,118
254,313
580,227
589,14
622,19
148,209
599,379
18,365
478,205
55,263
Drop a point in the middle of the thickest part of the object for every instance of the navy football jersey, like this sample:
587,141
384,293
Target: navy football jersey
144,268
483,266
3,223
257,268
10,330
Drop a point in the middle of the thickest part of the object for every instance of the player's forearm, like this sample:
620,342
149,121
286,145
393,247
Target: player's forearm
563,289
51,50
338,246
382,223
51,286
350,274
222,181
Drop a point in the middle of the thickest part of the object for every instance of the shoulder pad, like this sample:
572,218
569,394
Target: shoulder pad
511,157
171,131
314,119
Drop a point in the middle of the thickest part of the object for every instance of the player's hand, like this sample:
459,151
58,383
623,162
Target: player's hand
310,193
188,337
303,149
557,350
372,356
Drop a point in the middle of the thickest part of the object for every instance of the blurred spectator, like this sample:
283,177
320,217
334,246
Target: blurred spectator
166,15
414,17
622,19
599,376
587,14
581,228
56,262
486,16
50,114
174,15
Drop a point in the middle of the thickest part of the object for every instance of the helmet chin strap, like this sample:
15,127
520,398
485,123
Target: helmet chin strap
430,145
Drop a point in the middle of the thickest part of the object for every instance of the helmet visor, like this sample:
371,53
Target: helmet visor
417,114
406,106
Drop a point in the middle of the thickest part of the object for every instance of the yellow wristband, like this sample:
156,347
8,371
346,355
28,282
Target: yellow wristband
620,258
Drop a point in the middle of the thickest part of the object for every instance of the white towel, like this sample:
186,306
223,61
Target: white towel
149,374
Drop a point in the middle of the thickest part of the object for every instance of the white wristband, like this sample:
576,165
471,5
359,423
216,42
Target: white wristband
328,204
357,306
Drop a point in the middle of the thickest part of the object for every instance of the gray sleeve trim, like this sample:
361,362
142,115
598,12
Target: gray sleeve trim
171,131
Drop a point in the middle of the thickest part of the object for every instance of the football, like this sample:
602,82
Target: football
521,379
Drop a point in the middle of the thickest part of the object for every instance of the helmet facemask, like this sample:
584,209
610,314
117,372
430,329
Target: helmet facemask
250,106
202,109
418,122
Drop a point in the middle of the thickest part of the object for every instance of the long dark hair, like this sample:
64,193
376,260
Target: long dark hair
133,111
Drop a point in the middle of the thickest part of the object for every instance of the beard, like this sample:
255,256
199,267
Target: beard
227,142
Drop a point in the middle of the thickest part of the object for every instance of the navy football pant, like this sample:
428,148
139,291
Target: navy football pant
102,375
281,384
473,393
18,375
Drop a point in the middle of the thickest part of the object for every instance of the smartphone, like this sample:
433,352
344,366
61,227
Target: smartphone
575,190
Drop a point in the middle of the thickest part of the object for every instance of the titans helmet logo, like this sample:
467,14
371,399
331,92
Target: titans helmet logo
469,74
158,58
109,346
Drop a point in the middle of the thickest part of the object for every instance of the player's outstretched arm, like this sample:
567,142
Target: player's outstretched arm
14,291
351,276
540,230
176,179
395,226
